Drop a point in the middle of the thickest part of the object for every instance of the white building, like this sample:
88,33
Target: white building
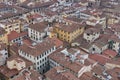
15,37
91,34
96,48
38,31
115,43
38,54
99,45
3,54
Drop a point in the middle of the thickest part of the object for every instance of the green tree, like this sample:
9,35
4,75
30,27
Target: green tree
110,46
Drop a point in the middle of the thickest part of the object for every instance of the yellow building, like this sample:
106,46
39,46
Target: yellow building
68,32
11,25
3,35
113,21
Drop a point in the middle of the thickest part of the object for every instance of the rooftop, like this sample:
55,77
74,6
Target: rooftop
14,35
37,49
40,27
70,27
59,73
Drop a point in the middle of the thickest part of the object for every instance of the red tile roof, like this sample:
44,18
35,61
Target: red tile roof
57,42
53,74
60,58
99,58
37,49
13,35
34,16
34,75
109,53
7,72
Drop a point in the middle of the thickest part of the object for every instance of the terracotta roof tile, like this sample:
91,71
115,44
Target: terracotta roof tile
38,49
13,35
99,58
40,27
7,72
109,53
70,27
65,75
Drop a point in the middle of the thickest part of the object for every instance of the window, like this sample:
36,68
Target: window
93,49
53,48
45,53
68,32
88,34
34,63
113,46
13,40
10,26
5,53
16,39
28,68
14,64
38,68
27,55
45,58
40,61
36,38
37,57
95,74
37,63
12,76
43,65
40,56
68,40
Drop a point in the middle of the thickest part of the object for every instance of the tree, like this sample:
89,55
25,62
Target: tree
119,50
110,46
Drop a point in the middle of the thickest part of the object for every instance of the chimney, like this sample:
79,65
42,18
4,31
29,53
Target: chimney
82,61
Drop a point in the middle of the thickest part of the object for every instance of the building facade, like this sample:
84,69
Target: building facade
3,35
38,54
68,32
38,31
